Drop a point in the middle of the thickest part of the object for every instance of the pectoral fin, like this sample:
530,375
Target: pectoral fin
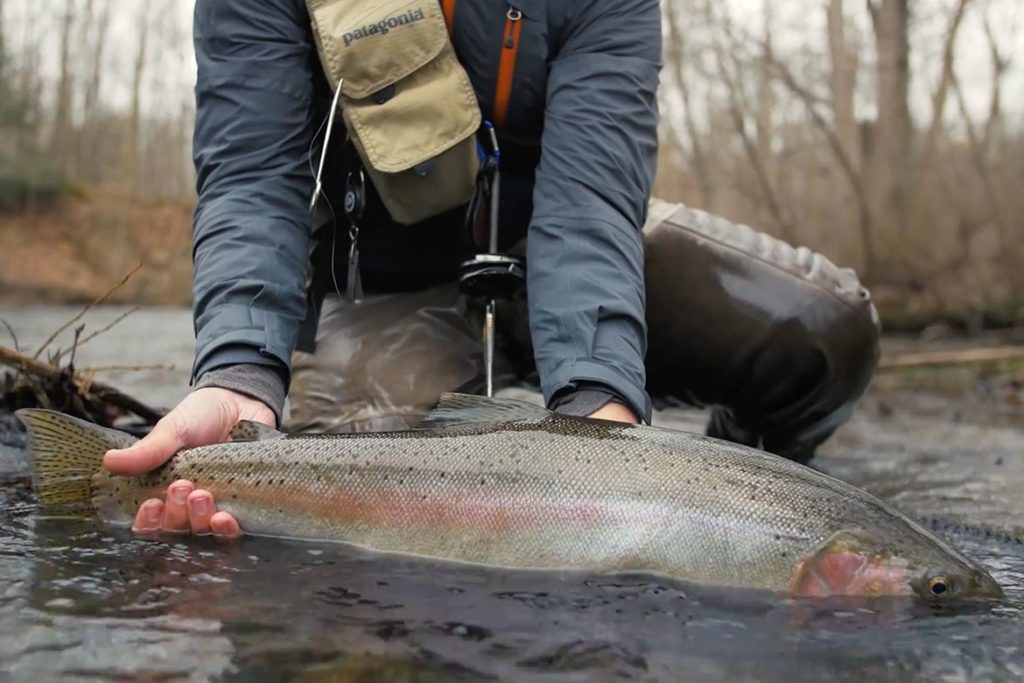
247,430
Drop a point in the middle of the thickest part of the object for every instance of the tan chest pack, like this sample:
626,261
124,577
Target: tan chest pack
408,104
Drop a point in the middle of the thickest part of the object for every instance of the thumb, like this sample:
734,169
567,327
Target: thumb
147,454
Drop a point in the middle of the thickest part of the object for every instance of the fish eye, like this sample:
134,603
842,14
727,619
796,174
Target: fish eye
940,586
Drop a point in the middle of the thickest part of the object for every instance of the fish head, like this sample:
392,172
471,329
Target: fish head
952,577
851,563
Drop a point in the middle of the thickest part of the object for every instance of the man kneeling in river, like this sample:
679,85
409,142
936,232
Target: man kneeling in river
569,89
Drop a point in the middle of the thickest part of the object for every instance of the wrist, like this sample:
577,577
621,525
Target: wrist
261,384
246,406
590,399
616,412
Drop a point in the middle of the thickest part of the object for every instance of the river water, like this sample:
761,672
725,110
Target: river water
83,602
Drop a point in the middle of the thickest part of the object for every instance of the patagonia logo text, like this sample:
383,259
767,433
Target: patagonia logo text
383,27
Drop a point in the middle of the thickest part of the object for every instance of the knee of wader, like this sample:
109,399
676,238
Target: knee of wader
780,339
796,388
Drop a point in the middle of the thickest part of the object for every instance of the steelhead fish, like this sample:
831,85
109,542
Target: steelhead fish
505,483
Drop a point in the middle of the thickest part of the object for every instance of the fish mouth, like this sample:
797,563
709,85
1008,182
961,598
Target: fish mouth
986,587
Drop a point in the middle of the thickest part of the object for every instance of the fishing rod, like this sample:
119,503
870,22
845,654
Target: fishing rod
490,276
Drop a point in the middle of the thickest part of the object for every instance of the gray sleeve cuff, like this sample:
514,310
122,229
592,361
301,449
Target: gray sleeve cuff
584,399
261,382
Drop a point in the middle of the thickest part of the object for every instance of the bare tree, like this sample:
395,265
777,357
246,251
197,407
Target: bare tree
843,83
94,49
888,154
727,50
846,162
941,93
61,137
676,57
1001,62
144,22
765,108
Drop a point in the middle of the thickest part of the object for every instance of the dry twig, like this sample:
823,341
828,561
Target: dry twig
82,342
92,304
10,331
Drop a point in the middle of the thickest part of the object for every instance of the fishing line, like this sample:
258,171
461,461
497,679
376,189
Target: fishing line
334,248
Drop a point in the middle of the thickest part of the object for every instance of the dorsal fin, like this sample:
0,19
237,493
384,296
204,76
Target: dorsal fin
247,430
454,410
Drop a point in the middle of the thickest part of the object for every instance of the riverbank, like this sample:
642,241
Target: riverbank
76,250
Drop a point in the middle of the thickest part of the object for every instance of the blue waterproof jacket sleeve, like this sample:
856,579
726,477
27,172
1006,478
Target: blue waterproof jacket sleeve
252,137
585,250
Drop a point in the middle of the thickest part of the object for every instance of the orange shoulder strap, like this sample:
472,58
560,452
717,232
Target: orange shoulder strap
448,7
507,66
507,63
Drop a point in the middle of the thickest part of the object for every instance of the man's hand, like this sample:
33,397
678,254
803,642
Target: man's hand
616,412
204,417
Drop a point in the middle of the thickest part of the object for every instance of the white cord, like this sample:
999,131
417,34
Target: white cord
327,141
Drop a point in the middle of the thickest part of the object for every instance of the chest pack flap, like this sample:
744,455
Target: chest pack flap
408,103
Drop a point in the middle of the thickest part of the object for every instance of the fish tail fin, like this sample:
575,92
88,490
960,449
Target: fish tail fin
66,453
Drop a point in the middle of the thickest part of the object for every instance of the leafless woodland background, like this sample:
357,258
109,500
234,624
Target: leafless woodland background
887,134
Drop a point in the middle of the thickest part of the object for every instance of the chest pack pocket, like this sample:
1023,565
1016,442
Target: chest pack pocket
408,104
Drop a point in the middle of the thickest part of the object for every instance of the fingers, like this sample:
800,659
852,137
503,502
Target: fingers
176,507
155,449
149,517
205,518
200,509
185,510
225,526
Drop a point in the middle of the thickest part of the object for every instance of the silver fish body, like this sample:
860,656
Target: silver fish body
507,484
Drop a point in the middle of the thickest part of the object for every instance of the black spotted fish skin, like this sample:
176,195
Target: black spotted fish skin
536,490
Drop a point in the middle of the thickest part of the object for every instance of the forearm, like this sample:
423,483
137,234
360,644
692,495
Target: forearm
586,310
251,232
585,249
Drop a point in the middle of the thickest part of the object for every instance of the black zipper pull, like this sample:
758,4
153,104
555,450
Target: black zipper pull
355,204
354,285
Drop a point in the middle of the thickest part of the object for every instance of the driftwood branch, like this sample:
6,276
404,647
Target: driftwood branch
938,359
93,369
97,390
